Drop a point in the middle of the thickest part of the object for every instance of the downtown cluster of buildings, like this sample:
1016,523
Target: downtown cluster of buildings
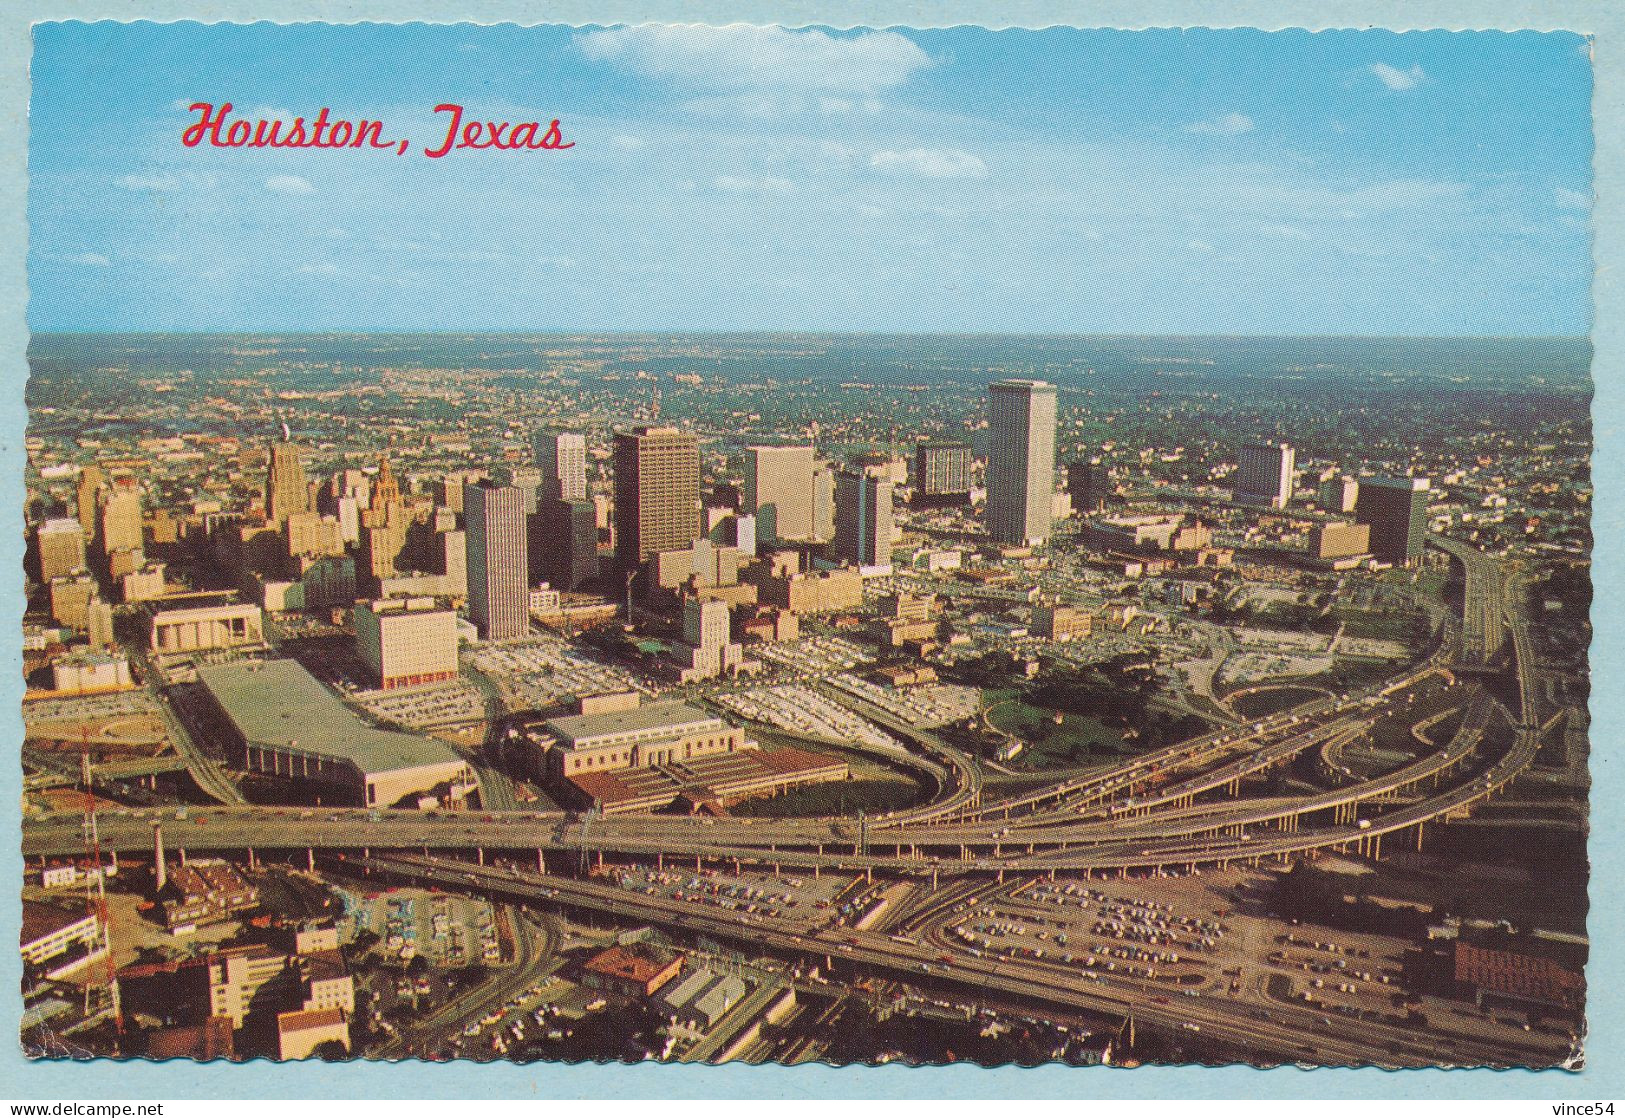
410,575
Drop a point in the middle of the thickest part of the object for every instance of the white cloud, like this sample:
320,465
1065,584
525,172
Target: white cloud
288,184
1201,246
1229,124
1290,232
627,143
93,259
741,56
930,163
1397,79
1572,199
747,184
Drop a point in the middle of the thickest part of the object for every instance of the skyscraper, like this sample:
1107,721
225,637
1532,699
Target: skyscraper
657,493
863,518
1020,460
563,543
91,481
942,473
823,502
1088,480
1396,509
60,544
1264,474
562,458
498,597
121,518
286,491
779,490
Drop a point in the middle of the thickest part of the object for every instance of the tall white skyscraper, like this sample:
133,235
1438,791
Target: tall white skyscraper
1264,474
498,563
562,458
1020,460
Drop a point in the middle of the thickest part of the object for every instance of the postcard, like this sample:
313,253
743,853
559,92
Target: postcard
739,543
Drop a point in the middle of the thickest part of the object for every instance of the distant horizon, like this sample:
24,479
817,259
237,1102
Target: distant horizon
832,333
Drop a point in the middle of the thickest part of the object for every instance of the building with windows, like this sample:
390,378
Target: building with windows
1264,474
206,627
779,491
657,493
864,522
563,543
942,473
1088,481
60,941
1339,541
286,490
498,561
636,737
561,456
1020,461
406,642
59,544
1396,510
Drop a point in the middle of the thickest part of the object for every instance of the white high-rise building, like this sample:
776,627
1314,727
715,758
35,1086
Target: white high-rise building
1020,460
1264,474
562,458
498,562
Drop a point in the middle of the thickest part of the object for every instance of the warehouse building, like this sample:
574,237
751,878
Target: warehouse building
277,719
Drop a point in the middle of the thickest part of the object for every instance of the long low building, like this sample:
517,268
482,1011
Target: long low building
635,737
279,720
721,778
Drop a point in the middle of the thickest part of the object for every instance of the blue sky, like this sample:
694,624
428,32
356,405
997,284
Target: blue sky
762,178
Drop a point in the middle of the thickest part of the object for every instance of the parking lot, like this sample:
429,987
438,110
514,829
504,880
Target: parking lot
815,899
438,706
801,710
446,930
544,671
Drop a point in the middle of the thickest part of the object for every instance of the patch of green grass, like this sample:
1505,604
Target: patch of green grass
1269,702
1076,739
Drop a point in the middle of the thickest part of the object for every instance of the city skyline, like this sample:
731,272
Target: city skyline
1234,182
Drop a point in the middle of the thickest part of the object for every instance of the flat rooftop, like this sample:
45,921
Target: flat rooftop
278,704
674,715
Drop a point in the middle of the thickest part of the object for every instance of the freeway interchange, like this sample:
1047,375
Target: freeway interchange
1176,809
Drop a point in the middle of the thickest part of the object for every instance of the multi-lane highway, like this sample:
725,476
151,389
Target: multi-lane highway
1181,806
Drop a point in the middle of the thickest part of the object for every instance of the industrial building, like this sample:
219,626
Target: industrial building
277,719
